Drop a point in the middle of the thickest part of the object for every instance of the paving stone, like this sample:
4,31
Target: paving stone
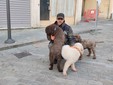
33,69
91,82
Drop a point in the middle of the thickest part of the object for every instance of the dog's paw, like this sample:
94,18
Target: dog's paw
64,73
80,58
88,55
75,70
50,68
60,70
94,57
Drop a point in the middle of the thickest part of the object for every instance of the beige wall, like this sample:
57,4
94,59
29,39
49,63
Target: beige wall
111,6
90,4
69,19
111,9
72,12
103,8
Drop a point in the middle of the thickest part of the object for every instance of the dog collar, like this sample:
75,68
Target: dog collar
77,49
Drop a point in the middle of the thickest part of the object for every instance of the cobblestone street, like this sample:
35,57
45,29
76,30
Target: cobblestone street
32,69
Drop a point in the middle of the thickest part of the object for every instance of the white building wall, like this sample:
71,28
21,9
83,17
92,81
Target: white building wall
35,13
63,6
70,8
112,8
78,10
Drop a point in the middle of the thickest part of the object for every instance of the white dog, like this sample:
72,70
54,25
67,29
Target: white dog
71,55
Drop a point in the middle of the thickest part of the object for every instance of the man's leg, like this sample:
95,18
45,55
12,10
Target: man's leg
71,40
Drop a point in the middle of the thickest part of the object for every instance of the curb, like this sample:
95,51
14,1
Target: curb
43,40
21,44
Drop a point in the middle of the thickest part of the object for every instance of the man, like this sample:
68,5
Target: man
60,21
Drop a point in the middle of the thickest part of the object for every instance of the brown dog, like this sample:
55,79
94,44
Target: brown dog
87,44
56,34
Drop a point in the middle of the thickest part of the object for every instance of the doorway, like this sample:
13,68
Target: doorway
44,9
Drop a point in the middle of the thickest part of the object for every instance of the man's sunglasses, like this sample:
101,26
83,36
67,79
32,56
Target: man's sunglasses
60,19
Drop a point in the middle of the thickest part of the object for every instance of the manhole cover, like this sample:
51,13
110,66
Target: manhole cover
22,54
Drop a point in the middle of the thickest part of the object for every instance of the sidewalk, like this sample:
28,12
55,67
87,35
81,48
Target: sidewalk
22,37
29,36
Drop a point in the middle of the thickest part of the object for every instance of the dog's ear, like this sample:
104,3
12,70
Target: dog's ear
49,29
78,38
48,32
54,29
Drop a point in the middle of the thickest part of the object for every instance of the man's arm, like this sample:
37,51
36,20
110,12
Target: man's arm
71,40
69,31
